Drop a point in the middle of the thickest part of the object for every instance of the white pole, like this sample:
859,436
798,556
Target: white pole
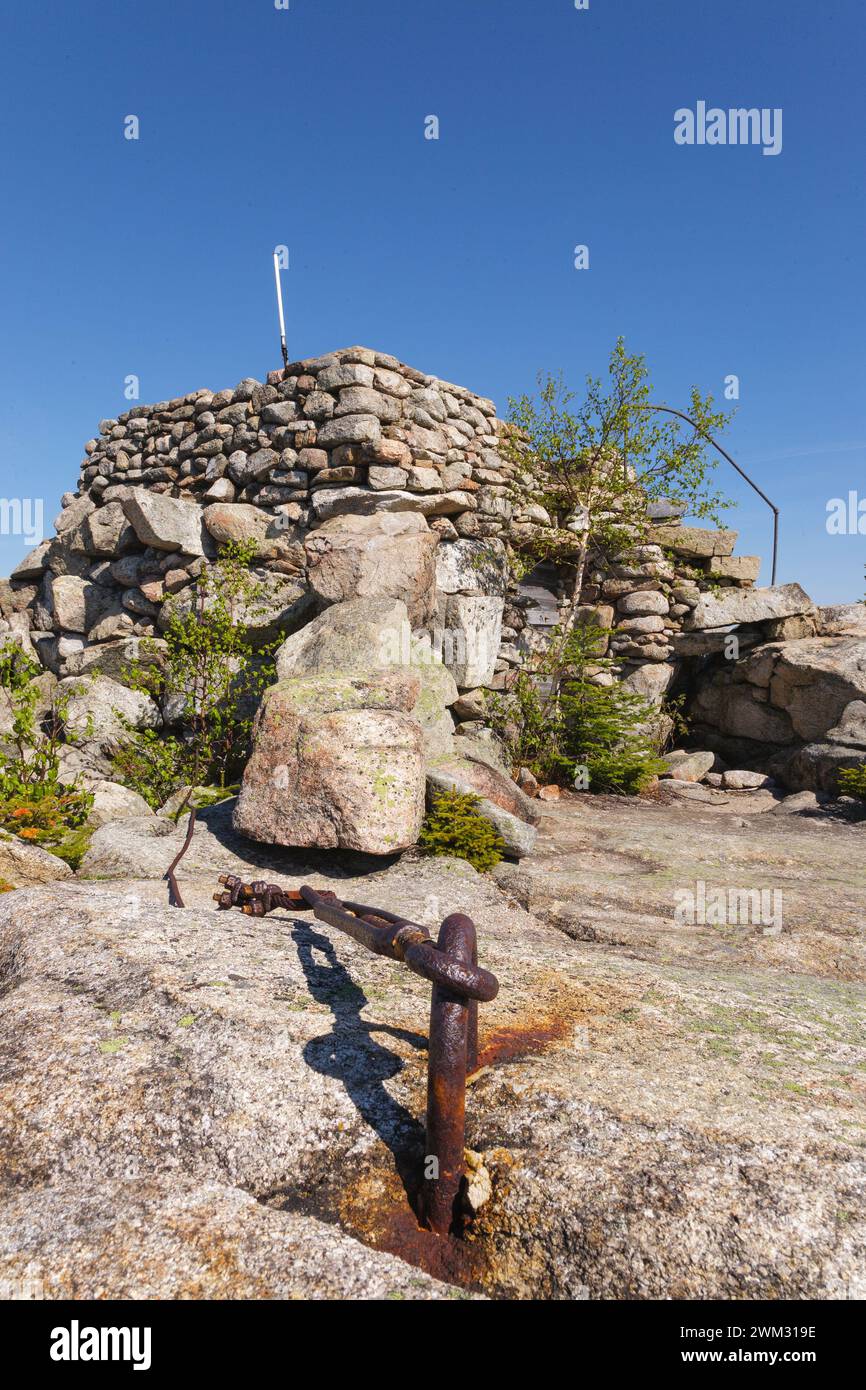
280,309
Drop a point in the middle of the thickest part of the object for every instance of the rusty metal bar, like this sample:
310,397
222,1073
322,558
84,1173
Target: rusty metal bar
446,1083
451,965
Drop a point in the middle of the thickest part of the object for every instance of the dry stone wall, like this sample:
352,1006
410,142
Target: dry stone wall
344,473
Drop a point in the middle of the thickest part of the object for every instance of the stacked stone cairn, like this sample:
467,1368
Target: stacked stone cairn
379,508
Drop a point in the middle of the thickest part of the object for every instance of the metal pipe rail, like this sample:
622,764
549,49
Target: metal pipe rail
668,410
451,965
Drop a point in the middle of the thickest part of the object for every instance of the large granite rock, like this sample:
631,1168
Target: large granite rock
389,555
166,523
472,567
337,762
374,634
100,713
815,679
473,629
355,636
747,606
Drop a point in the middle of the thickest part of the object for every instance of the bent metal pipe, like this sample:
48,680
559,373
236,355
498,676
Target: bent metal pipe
459,983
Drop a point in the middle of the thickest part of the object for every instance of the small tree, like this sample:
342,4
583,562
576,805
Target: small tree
565,726
595,467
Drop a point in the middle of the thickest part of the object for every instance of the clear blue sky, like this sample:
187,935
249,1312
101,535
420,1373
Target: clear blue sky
306,127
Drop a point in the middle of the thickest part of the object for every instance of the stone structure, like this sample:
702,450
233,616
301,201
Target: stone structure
358,480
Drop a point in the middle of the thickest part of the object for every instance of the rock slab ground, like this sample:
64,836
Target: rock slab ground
235,1107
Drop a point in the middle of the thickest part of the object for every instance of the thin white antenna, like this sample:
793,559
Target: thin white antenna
283,347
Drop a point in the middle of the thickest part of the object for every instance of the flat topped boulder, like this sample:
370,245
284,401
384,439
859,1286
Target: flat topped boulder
355,636
747,606
695,542
337,763
373,634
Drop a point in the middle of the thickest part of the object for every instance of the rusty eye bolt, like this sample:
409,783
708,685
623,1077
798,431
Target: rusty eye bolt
451,965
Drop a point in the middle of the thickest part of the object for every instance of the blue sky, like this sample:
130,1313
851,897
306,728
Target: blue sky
305,127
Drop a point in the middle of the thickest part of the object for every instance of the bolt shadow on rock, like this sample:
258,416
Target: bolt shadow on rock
350,1054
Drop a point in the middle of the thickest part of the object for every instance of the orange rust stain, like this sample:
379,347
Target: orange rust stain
560,1008
378,1212
520,1040
448,1258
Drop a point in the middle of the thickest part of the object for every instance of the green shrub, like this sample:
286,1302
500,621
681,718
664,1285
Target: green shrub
454,826
210,663
563,726
153,764
34,804
852,781
73,847
608,731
